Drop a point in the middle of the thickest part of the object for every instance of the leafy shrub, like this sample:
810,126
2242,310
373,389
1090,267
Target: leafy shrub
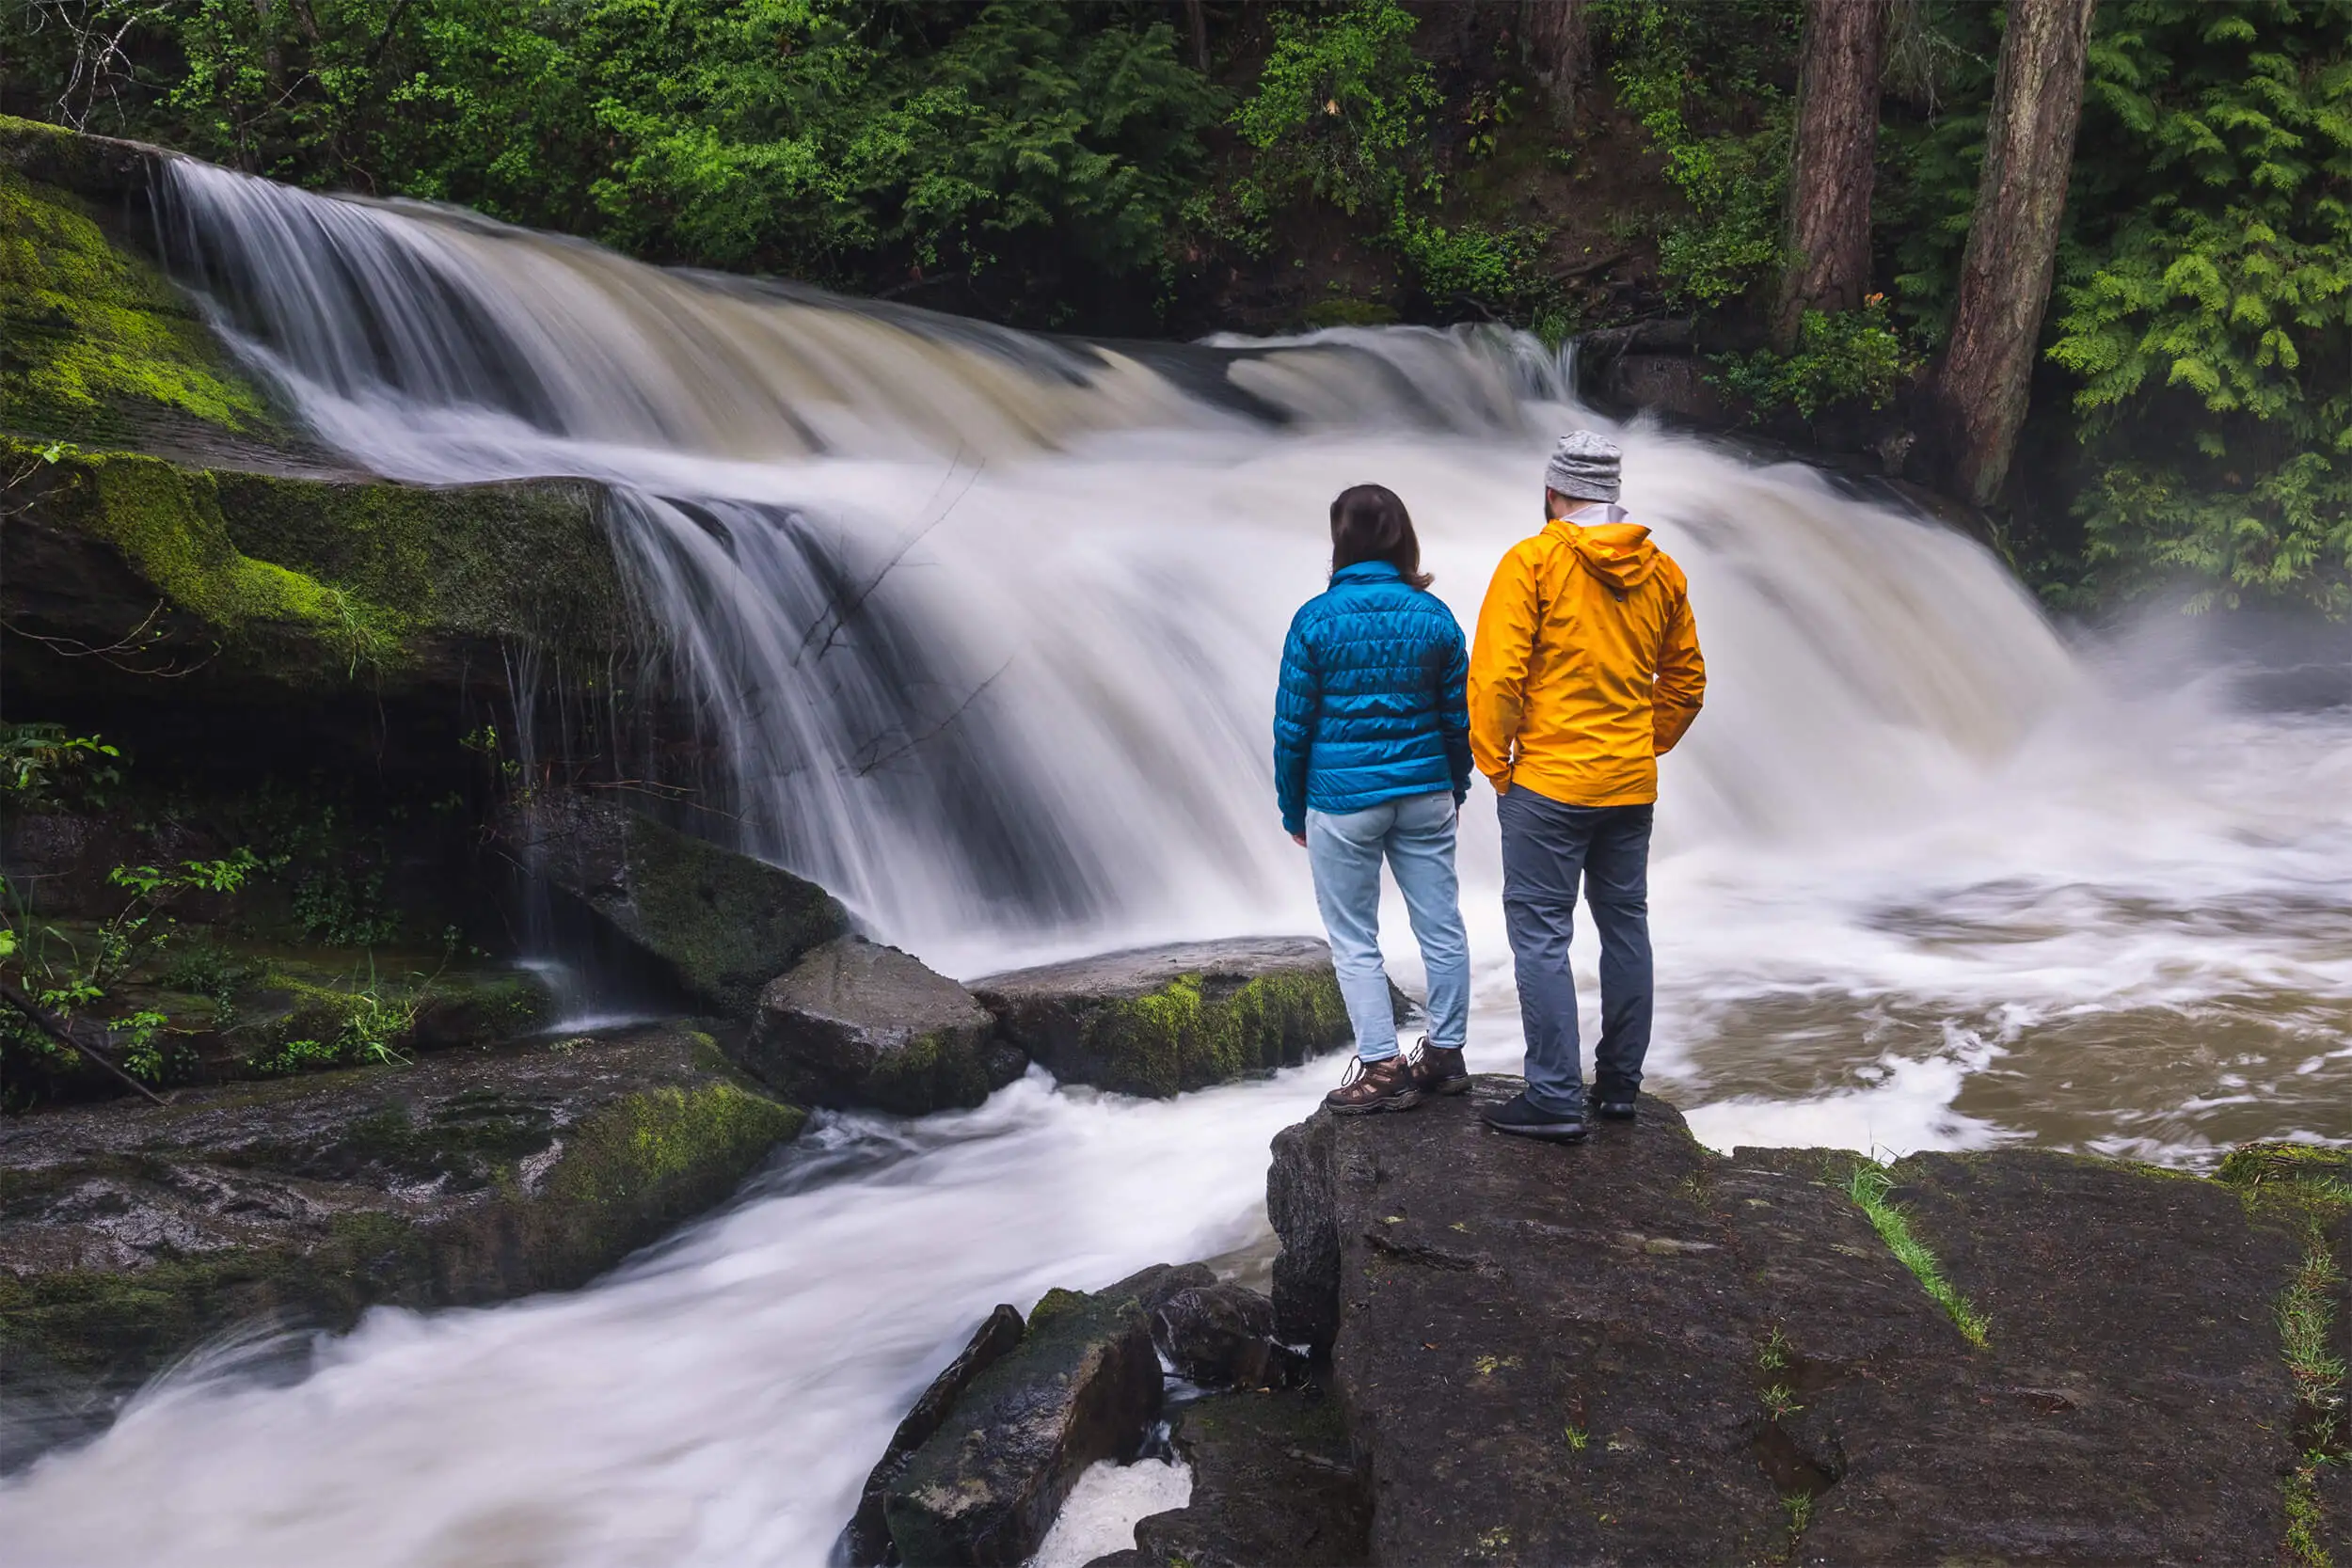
1695,76
1499,274
1841,357
2206,300
1341,109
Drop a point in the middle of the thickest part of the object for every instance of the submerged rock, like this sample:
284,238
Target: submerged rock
130,1233
1159,1020
719,924
865,1544
1632,1350
1082,1386
858,1023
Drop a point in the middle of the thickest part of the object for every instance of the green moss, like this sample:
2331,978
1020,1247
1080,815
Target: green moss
724,923
92,336
374,575
1192,1033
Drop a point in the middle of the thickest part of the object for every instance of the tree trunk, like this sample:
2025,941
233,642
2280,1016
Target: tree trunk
1829,184
1196,13
1982,384
1552,34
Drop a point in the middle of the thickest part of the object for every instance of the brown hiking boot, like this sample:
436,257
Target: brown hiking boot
1440,1069
1385,1085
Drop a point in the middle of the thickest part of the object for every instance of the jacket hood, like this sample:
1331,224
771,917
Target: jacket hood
1620,554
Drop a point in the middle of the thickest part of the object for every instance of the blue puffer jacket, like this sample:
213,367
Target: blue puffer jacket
1371,705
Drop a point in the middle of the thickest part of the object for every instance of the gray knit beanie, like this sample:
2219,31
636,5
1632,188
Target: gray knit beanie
1583,465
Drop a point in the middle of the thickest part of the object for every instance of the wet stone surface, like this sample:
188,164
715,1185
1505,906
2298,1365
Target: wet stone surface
1632,1351
130,1234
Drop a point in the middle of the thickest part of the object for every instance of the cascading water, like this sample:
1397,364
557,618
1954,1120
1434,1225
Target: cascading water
986,626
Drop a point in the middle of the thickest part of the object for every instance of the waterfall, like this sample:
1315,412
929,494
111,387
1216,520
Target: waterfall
985,622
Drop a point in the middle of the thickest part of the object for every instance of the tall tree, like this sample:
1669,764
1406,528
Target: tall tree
1196,17
1559,48
1840,63
1987,368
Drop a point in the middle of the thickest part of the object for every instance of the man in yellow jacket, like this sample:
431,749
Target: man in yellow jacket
1584,672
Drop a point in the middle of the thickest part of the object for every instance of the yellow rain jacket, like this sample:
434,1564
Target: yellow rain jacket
1586,668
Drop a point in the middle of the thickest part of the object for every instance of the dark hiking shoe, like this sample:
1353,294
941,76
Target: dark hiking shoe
1516,1114
1384,1086
1439,1069
1615,1107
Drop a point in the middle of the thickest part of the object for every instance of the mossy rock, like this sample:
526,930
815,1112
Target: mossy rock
311,584
130,1234
721,923
1158,1022
96,346
858,1023
1082,1385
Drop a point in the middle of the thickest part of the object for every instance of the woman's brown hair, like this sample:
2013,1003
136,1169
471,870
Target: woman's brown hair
1370,523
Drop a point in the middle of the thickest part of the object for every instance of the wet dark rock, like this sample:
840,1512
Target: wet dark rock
1633,1350
719,924
1083,1385
1159,1020
1218,1336
858,1023
865,1544
1151,1286
1273,1481
130,1232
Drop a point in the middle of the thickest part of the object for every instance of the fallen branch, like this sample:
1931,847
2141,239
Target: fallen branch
55,1028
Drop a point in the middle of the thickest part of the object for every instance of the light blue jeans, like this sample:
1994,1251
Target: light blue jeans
1415,835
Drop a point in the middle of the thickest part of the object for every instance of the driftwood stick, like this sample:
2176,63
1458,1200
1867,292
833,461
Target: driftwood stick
54,1027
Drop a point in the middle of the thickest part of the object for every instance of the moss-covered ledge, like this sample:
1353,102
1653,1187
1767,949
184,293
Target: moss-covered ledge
129,1236
304,582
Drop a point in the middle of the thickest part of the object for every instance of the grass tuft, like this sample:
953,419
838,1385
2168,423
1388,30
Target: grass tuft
1868,1186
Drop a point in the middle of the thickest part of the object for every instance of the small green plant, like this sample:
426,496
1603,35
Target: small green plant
1841,357
1781,1401
39,761
1868,1186
1799,1509
1578,1439
1484,117
1774,1354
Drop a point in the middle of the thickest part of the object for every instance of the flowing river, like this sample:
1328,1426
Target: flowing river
986,625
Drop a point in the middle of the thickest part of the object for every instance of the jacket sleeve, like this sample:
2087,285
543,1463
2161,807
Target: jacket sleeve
1497,665
1682,684
1453,709
1295,702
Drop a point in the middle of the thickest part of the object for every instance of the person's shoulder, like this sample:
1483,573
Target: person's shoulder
1669,574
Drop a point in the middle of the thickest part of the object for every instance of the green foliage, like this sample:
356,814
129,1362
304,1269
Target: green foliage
1021,150
1340,110
1697,77
44,765
1842,356
1496,273
2206,302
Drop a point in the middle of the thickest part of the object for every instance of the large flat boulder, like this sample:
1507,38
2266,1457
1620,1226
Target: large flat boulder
719,924
858,1023
1632,1351
1083,1385
1159,1020
130,1233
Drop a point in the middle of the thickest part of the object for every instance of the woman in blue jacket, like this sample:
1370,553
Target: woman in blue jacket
1372,760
